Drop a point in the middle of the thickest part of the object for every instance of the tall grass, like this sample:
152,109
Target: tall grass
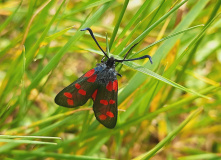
168,110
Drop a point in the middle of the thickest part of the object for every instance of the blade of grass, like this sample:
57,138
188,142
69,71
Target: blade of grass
29,137
99,141
165,38
26,142
133,19
60,33
118,23
8,20
22,100
156,11
191,46
126,40
209,156
199,77
85,7
32,18
40,122
170,136
54,155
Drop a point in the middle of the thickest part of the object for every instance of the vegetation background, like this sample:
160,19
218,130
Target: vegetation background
169,110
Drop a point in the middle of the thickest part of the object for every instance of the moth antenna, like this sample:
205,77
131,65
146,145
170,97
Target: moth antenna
129,50
124,59
143,57
92,35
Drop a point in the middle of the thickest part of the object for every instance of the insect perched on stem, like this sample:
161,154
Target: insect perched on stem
100,84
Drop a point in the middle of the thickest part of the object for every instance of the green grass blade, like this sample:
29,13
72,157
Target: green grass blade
91,4
26,142
9,19
209,156
55,155
165,38
60,33
29,137
118,23
126,40
194,41
134,18
170,137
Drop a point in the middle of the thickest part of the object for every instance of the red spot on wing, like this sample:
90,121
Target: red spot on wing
104,102
110,114
70,102
111,101
67,94
109,86
92,78
89,73
94,95
102,117
82,92
78,86
115,87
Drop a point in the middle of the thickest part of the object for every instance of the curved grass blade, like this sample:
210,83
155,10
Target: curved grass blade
165,38
55,35
170,136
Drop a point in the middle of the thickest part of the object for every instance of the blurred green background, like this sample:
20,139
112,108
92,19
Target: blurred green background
168,110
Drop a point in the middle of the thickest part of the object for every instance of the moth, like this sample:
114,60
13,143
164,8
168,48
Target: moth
99,84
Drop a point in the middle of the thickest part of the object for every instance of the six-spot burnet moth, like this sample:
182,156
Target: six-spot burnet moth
100,84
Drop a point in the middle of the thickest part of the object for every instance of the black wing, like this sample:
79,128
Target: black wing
105,104
77,93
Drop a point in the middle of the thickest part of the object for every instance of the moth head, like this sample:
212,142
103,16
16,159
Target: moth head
110,62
